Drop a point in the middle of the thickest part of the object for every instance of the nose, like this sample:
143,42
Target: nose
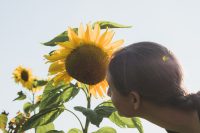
109,92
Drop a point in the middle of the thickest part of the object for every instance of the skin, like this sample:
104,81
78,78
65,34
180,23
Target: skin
169,118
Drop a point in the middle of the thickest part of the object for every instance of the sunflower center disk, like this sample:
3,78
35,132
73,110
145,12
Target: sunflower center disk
87,64
24,75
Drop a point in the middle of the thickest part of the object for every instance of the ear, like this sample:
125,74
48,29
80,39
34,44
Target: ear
135,100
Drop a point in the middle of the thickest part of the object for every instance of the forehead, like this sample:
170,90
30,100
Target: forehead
108,77
109,80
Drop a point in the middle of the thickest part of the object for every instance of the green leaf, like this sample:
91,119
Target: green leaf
106,103
57,95
34,106
55,131
105,109
45,128
21,96
48,88
60,38
40,83
27,107
138,124
43,117
90,114
109,24
106,130
74,130
124,122
3,120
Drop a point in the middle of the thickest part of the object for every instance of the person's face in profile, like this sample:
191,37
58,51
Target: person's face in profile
126,105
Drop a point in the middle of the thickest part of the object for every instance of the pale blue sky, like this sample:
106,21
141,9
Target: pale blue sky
24,24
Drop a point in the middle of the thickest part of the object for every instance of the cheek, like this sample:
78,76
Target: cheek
123,106
116,103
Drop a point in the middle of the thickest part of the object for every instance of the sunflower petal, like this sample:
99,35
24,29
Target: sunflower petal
67,45
115,45
57,55
96,32
108,38
88,34
73,36
99,90
104,85
59,77
56,67
81,33
102,38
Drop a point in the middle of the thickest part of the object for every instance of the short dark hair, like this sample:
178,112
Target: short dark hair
153,71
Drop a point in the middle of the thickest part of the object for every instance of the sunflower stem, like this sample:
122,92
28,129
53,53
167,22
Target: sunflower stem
87,120
87,89
33,102
76,118
86,94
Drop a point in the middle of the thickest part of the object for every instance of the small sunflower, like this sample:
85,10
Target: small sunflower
84,57
24,76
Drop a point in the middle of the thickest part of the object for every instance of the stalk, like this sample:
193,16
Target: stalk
87,120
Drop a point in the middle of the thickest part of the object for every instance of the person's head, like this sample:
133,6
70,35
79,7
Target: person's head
147,71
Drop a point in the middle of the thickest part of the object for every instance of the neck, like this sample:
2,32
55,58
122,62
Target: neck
170,118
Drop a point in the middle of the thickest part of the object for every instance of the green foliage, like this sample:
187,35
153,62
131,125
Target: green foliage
106,130
106,103
3,120
45,128
21,96
105,109
43,117
57,95
124,122
74,130
40,83
109,24
55,131
27,107
60,38
34,106
138,124
90,114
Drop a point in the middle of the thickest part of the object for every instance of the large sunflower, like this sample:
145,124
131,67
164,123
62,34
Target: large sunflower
24,76
84,57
